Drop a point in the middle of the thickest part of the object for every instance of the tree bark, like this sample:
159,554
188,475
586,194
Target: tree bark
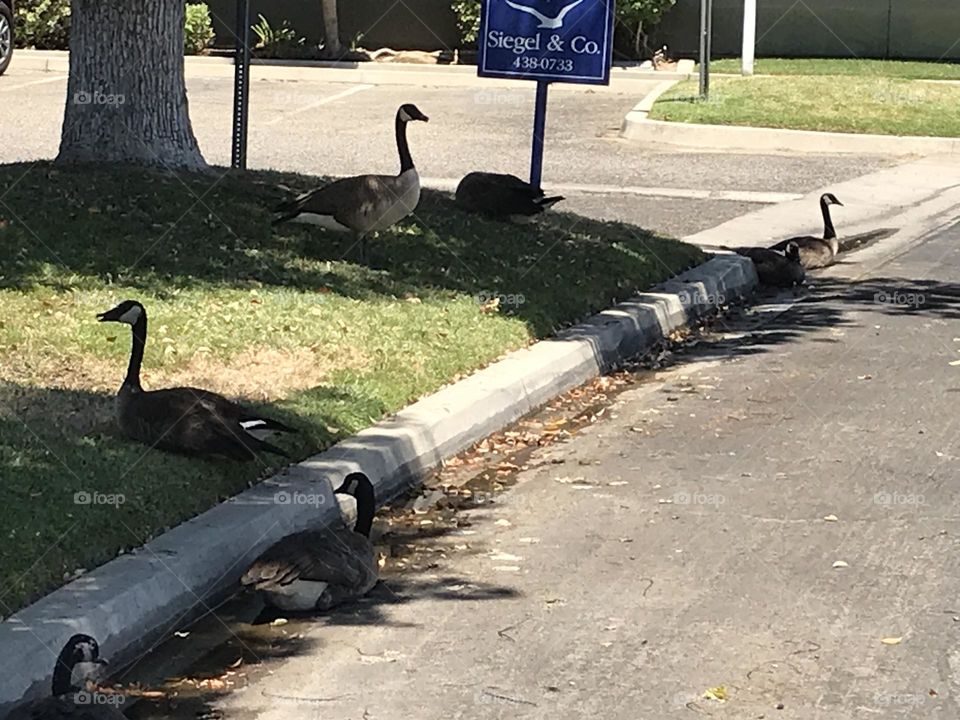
331,28
126,96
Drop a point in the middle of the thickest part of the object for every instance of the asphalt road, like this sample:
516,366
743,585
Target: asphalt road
340,129
771,519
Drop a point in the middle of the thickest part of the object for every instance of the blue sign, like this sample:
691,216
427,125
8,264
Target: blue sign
548,40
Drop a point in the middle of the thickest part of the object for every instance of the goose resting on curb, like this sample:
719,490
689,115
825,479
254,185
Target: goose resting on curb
817,252
184,419
77,665
502,195
782,270
363,204
315,570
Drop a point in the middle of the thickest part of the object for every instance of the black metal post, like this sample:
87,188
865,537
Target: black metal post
241,87
706,32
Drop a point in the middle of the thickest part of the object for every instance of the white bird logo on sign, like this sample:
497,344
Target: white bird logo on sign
553,23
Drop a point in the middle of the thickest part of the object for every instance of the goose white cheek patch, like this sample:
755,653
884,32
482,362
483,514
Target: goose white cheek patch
404,116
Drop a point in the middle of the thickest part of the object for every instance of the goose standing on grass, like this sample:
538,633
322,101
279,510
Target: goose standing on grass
363,204
502,195
782,270
817,252
317,569
184,419
77,665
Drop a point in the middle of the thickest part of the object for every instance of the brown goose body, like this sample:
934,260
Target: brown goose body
775,269
184,419
315,570
817,252
502,195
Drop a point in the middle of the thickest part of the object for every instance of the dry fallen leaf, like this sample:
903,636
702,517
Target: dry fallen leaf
891,640
830,518
718,693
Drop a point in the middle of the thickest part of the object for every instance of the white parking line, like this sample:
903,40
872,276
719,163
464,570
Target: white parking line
58,78
323,101
745,196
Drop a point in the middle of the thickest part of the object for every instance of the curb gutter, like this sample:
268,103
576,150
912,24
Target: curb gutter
138,598
690,136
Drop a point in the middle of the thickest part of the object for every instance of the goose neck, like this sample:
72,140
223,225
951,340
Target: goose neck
406,162
829,233
366,507
136,353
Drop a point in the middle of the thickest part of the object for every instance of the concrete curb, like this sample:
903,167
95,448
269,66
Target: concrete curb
135,599
371,73
689,136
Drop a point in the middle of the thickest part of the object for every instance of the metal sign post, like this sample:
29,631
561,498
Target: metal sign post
548,41
241,87
706,41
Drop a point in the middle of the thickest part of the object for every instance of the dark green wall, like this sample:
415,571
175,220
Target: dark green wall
407,25
928,29
823,28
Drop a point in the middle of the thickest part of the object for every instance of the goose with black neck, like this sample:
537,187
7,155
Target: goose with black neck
363,204
184,420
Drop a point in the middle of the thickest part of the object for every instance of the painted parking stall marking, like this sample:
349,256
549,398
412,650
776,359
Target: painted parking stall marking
552,40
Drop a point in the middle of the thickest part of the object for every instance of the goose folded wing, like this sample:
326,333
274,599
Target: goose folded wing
191,420
337,558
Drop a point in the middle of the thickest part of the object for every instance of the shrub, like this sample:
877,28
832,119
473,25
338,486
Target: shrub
468,19
640,17
281,43
198,29
43,24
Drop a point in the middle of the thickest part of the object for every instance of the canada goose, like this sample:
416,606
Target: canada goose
775,269
364,203
317,569
77,665
502,195
185,420
817,252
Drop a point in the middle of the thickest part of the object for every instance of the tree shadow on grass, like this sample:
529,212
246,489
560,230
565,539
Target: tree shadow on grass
62,457
68,229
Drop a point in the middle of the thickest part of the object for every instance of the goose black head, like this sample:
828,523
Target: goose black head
792,252
355,484
831,199
79,662
129,312
409,112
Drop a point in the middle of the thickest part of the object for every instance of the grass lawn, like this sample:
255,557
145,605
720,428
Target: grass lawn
272,316
907,70
881,105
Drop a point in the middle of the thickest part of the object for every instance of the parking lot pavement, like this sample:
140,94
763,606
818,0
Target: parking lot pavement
339,128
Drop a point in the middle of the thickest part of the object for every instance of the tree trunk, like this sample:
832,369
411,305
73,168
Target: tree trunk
126,96
331,28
